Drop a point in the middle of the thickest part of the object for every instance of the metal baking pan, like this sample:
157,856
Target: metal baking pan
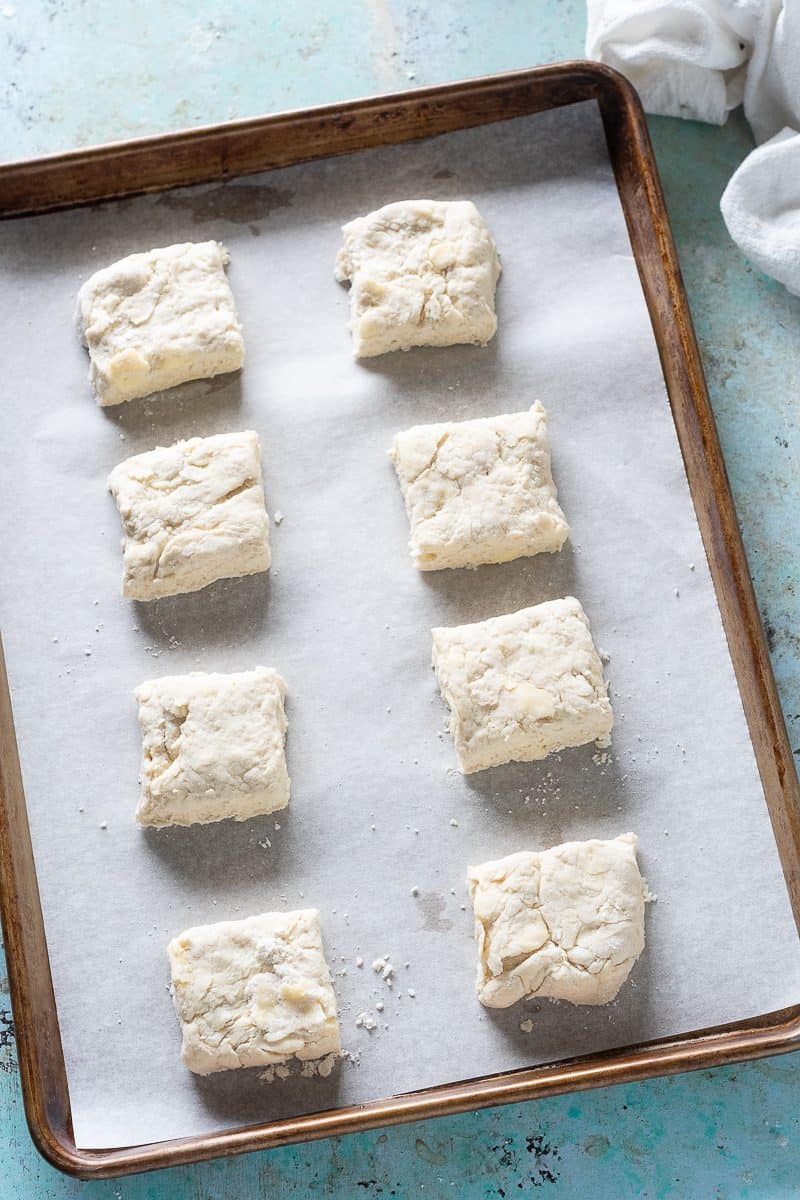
245,147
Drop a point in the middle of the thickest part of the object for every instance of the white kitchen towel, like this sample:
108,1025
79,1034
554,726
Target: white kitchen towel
686,58
772,82
701,58
761,207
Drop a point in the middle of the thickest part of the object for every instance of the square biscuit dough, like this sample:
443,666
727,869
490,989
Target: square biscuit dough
523,685
192,513
422,273
212,747
254,992
565,923
157,319
479,491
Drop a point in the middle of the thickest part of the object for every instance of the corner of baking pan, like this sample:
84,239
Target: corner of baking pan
216,153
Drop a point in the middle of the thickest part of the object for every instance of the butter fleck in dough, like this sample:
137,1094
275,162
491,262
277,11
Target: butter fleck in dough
565,923
157,319
479,491
212,747
192,513
422,273
522,685
254,992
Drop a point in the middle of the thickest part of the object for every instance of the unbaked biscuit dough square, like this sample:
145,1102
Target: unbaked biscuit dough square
254,992
157,319
192,513
422,273
523,685
565,923
212,747
479,491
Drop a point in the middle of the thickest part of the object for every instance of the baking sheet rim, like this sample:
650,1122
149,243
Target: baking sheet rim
42,1069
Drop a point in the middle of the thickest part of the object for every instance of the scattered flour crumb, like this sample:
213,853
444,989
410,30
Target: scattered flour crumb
104,824
365,1021
411,993
378,965
415,890
526,1026
454,822
320,1066
359,961
308,1070
277,516
278,1071
379,1005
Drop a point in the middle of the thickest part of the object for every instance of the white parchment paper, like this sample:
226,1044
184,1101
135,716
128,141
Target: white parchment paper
377,808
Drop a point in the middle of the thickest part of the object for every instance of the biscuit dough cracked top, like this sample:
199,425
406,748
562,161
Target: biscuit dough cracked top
192,513
522,685
212,747
253,992
479,491
157,319
422,273
565,923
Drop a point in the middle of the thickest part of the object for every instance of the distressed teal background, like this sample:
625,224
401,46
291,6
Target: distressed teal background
75,73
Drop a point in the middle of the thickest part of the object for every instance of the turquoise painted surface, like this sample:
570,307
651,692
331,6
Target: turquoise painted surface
76,73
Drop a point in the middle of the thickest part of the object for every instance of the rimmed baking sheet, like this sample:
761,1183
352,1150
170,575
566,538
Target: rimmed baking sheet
346,618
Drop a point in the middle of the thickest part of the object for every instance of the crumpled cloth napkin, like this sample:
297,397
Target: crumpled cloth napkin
701,58
761,207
